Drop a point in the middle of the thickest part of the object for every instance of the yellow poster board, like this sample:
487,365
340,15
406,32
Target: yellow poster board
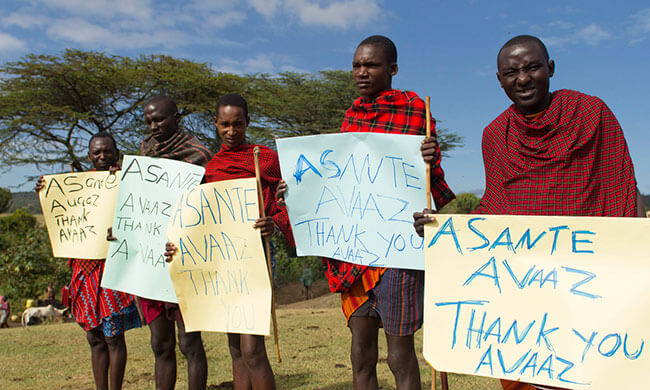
559,301
219,270
78,208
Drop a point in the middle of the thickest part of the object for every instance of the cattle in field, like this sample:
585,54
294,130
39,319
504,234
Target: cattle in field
43,312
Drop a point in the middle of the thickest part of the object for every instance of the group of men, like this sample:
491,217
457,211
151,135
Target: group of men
559,153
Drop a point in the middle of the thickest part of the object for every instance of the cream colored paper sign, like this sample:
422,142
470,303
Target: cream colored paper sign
559,301
78,208
219,270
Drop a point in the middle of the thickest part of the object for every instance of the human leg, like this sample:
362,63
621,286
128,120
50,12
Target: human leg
398,298
99,358
191,346
240,375
163,345
403,362
117,357
256,361
363,351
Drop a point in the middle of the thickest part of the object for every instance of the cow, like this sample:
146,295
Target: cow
43,312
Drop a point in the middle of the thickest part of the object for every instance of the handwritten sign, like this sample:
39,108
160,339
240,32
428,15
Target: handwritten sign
77,208
149,188
351,196
559,301
219,270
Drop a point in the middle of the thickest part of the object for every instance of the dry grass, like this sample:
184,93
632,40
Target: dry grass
314,344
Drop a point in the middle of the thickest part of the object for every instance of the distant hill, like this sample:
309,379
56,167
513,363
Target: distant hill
27,200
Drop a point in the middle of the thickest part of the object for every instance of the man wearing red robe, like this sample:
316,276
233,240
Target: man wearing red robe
560,153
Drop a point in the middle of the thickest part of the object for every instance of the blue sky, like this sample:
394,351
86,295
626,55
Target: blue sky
447,49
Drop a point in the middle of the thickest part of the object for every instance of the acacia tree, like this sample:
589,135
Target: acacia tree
51,105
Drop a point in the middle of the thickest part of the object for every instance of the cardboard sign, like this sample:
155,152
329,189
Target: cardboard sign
352,196
219,269
559,301
78,208
149,187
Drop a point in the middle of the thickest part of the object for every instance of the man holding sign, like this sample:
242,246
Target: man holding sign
373,297
250,363
560,153
103,313
168,140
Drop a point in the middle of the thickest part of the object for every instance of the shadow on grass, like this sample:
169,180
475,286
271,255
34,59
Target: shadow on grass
282,381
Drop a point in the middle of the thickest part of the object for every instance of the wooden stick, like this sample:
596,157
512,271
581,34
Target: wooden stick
443,375
256,153
427,101
428,106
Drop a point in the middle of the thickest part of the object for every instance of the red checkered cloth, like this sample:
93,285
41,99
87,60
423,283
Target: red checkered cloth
180,147
395,112
238,163
573,160
89,302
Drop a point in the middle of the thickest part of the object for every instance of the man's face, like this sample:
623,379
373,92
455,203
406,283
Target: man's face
231,123
161,121
102,153
371,70
524,74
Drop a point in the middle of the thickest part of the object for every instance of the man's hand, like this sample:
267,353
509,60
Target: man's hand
279,193
430,150
421,219
113,169
170,249
266,226
39,184
109,234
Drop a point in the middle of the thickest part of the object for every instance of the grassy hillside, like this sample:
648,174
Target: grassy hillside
25,200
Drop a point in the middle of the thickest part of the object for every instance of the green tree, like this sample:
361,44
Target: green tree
26,262
5,199
463,204
51,105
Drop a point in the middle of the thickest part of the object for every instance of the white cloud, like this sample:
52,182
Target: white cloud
591,35
10,43
268,8
261,63
132,24
641,24
24,20
82,32
337,14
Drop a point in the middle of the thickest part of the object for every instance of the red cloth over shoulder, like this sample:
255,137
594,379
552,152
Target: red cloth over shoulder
573,160
238,163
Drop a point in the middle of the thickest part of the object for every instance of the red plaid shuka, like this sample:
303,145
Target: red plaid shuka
89,302
180,147
238,163
572,160
396,112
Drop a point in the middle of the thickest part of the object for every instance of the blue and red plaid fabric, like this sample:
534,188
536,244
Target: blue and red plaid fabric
399,300
396,112
238,163
573,160
90,303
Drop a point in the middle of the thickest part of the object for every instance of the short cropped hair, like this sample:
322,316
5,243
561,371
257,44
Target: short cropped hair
167,102
103,134
519,39
385,43
232,99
